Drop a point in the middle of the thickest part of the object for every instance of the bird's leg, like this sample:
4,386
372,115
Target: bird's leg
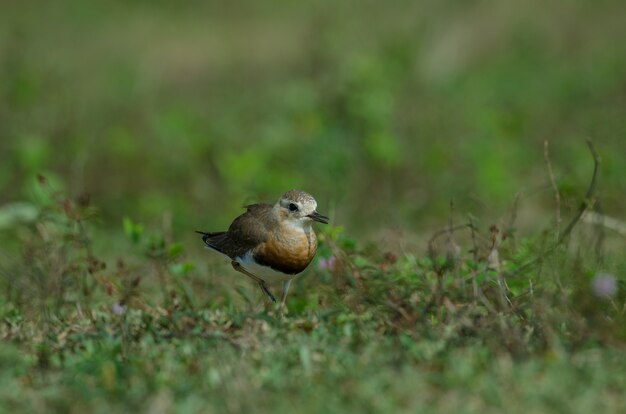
265,289
283,297
238,267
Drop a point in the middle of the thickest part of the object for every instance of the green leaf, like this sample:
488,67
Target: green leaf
132,230
182,269
175,250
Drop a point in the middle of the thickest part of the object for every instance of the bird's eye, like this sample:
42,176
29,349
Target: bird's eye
292,207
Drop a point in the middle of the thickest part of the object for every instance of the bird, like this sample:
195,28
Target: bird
271,243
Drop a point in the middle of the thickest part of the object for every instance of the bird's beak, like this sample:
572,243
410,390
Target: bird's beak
315,216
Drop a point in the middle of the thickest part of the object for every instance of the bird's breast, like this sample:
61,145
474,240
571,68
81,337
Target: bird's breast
288,250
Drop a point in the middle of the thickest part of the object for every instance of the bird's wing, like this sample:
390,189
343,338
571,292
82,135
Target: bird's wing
248,230
245,233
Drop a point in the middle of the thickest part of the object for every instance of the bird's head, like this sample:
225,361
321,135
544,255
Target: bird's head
299,207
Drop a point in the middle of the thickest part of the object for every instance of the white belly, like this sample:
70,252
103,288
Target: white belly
268,274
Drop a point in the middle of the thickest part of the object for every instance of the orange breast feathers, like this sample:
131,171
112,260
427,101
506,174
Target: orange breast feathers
288,251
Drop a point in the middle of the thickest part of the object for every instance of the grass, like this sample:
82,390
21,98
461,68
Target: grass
463,329
206,362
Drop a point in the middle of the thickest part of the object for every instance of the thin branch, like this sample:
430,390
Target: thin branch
587,203
512,218
600,234
474,244
447,231
589,199
557,196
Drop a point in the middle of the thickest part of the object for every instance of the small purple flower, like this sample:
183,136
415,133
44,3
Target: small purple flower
327,264
604,285
118,309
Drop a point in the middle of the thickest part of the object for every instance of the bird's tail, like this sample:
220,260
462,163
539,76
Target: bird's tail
212,239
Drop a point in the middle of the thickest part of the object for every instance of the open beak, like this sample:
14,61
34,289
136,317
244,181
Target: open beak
315,216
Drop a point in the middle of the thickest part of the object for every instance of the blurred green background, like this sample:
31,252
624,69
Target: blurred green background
169,116
384,111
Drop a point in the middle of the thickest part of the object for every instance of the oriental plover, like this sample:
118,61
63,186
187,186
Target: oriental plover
271,243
